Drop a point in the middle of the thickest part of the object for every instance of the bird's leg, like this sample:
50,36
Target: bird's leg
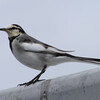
36,79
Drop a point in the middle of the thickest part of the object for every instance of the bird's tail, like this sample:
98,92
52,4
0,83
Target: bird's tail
87,60
65,57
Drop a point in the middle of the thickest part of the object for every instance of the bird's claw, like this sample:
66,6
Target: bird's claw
30,82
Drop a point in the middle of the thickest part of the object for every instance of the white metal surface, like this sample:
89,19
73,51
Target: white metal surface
80,86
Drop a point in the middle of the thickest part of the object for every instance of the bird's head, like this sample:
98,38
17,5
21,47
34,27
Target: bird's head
13,30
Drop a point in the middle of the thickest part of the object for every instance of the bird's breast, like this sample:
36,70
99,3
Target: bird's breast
30,59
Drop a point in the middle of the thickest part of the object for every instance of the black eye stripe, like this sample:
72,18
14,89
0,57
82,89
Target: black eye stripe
14,28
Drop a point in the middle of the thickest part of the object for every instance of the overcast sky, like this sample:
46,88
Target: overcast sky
65,24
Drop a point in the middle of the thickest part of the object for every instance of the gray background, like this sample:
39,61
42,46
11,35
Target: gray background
66,24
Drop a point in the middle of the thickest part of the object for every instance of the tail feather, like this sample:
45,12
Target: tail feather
73,58
88,60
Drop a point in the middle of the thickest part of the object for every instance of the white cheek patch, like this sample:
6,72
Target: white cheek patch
15,31
33,47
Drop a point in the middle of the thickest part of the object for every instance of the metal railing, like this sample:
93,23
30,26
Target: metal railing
80,86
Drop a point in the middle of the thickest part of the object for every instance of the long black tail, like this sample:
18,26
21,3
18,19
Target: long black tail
74,58
80,59
87,60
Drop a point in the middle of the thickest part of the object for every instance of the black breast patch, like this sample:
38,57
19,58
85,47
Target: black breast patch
11,40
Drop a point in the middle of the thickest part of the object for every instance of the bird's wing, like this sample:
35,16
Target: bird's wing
41,48
32,45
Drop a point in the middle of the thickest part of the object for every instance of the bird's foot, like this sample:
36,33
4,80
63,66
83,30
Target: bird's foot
30,82
36,79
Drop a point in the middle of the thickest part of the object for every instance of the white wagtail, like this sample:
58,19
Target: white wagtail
36,54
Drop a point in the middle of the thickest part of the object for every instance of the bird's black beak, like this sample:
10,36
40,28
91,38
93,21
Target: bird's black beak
3,29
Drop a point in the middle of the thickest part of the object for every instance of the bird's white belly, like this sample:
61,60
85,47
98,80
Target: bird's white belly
30,59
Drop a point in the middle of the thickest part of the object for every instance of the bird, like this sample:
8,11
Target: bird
36,54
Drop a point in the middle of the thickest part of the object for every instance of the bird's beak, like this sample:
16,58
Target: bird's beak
3,29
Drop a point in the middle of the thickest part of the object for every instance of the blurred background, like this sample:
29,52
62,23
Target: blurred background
65,24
